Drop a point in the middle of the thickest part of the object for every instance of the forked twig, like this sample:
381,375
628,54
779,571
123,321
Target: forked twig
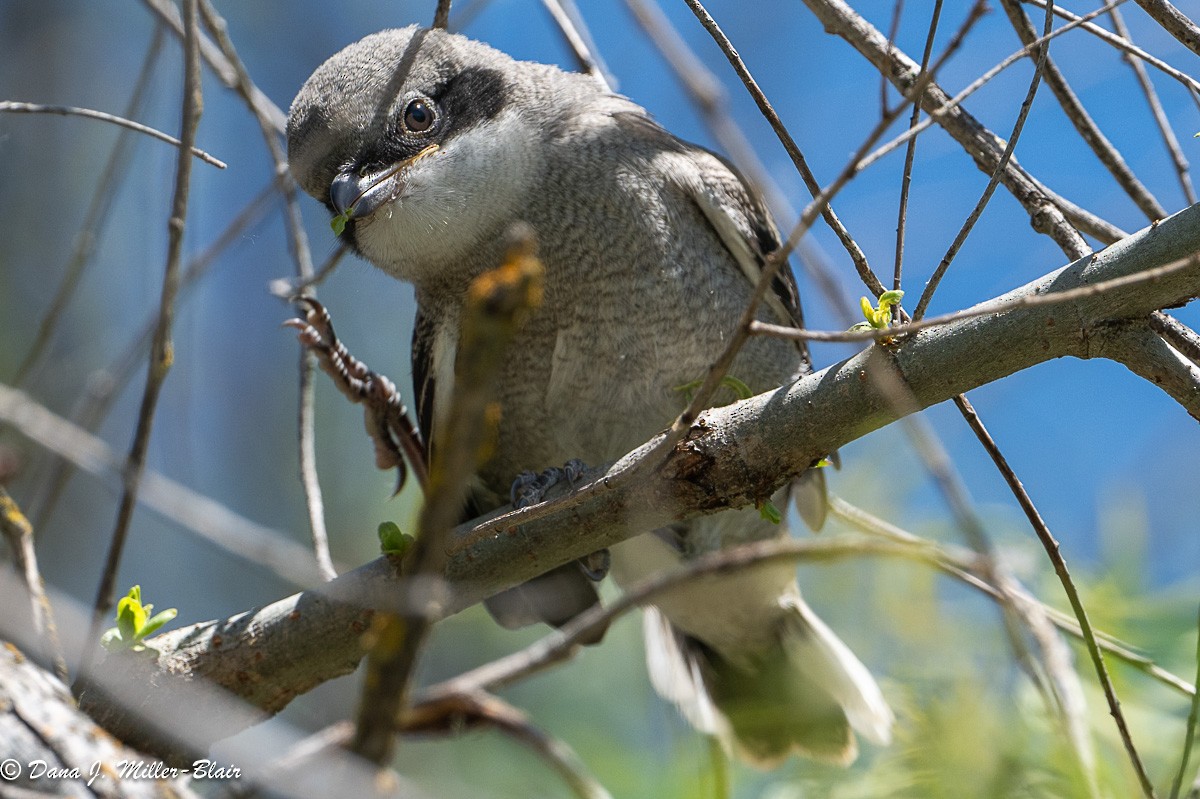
1043,56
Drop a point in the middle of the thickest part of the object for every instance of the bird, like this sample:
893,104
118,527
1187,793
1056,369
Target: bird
427,147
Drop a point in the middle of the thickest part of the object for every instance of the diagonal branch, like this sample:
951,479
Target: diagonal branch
732,456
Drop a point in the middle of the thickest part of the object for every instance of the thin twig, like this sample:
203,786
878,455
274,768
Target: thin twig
68,110
449,713
105,385
562,643
285,288
1054,552
1178,335
298,243
939,272
985,309
911,151
441,15
1124,45
161,355
857,257
977,84
963,566
578,40
775,260
1174,22
95,218
17,530
1083,122
1190,736
1045,209
887,379
169,13
1065,685
1160,116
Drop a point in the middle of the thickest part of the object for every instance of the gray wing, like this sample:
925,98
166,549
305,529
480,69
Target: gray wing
739,217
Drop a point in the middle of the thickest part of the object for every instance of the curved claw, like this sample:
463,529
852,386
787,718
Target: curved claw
529,488
596,565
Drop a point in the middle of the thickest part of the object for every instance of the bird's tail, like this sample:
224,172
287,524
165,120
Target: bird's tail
807,695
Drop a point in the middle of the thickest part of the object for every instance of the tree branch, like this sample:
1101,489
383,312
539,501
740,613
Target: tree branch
732,456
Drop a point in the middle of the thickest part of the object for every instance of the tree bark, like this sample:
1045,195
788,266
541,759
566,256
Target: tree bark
732,456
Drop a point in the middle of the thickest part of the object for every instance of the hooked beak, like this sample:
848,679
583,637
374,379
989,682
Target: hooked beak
357,196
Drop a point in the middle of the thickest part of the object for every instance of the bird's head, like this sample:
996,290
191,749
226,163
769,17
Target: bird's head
423,144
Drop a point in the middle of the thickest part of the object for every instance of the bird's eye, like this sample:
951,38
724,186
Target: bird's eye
418,116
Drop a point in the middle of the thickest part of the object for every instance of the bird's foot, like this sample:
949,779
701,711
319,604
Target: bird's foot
391,430
530,488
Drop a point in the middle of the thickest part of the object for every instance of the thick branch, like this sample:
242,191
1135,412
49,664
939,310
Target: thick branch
732,456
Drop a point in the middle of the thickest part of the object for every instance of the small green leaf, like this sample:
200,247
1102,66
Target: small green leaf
768,511
338,223
824,462
157,620
867,309
393,540
134,622
878,318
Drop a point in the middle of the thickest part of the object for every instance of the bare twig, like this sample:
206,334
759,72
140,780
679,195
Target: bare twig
216,60
982,81
911,151
1160,116
298,242
562,643
1044,207
1083,122
569,23
1174,22
1124,45
285,288
857,257
441,15
1053,551
66,110
449,713
1190,736
17,530
1178,335
95,218
1043,56
161,355
990,307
